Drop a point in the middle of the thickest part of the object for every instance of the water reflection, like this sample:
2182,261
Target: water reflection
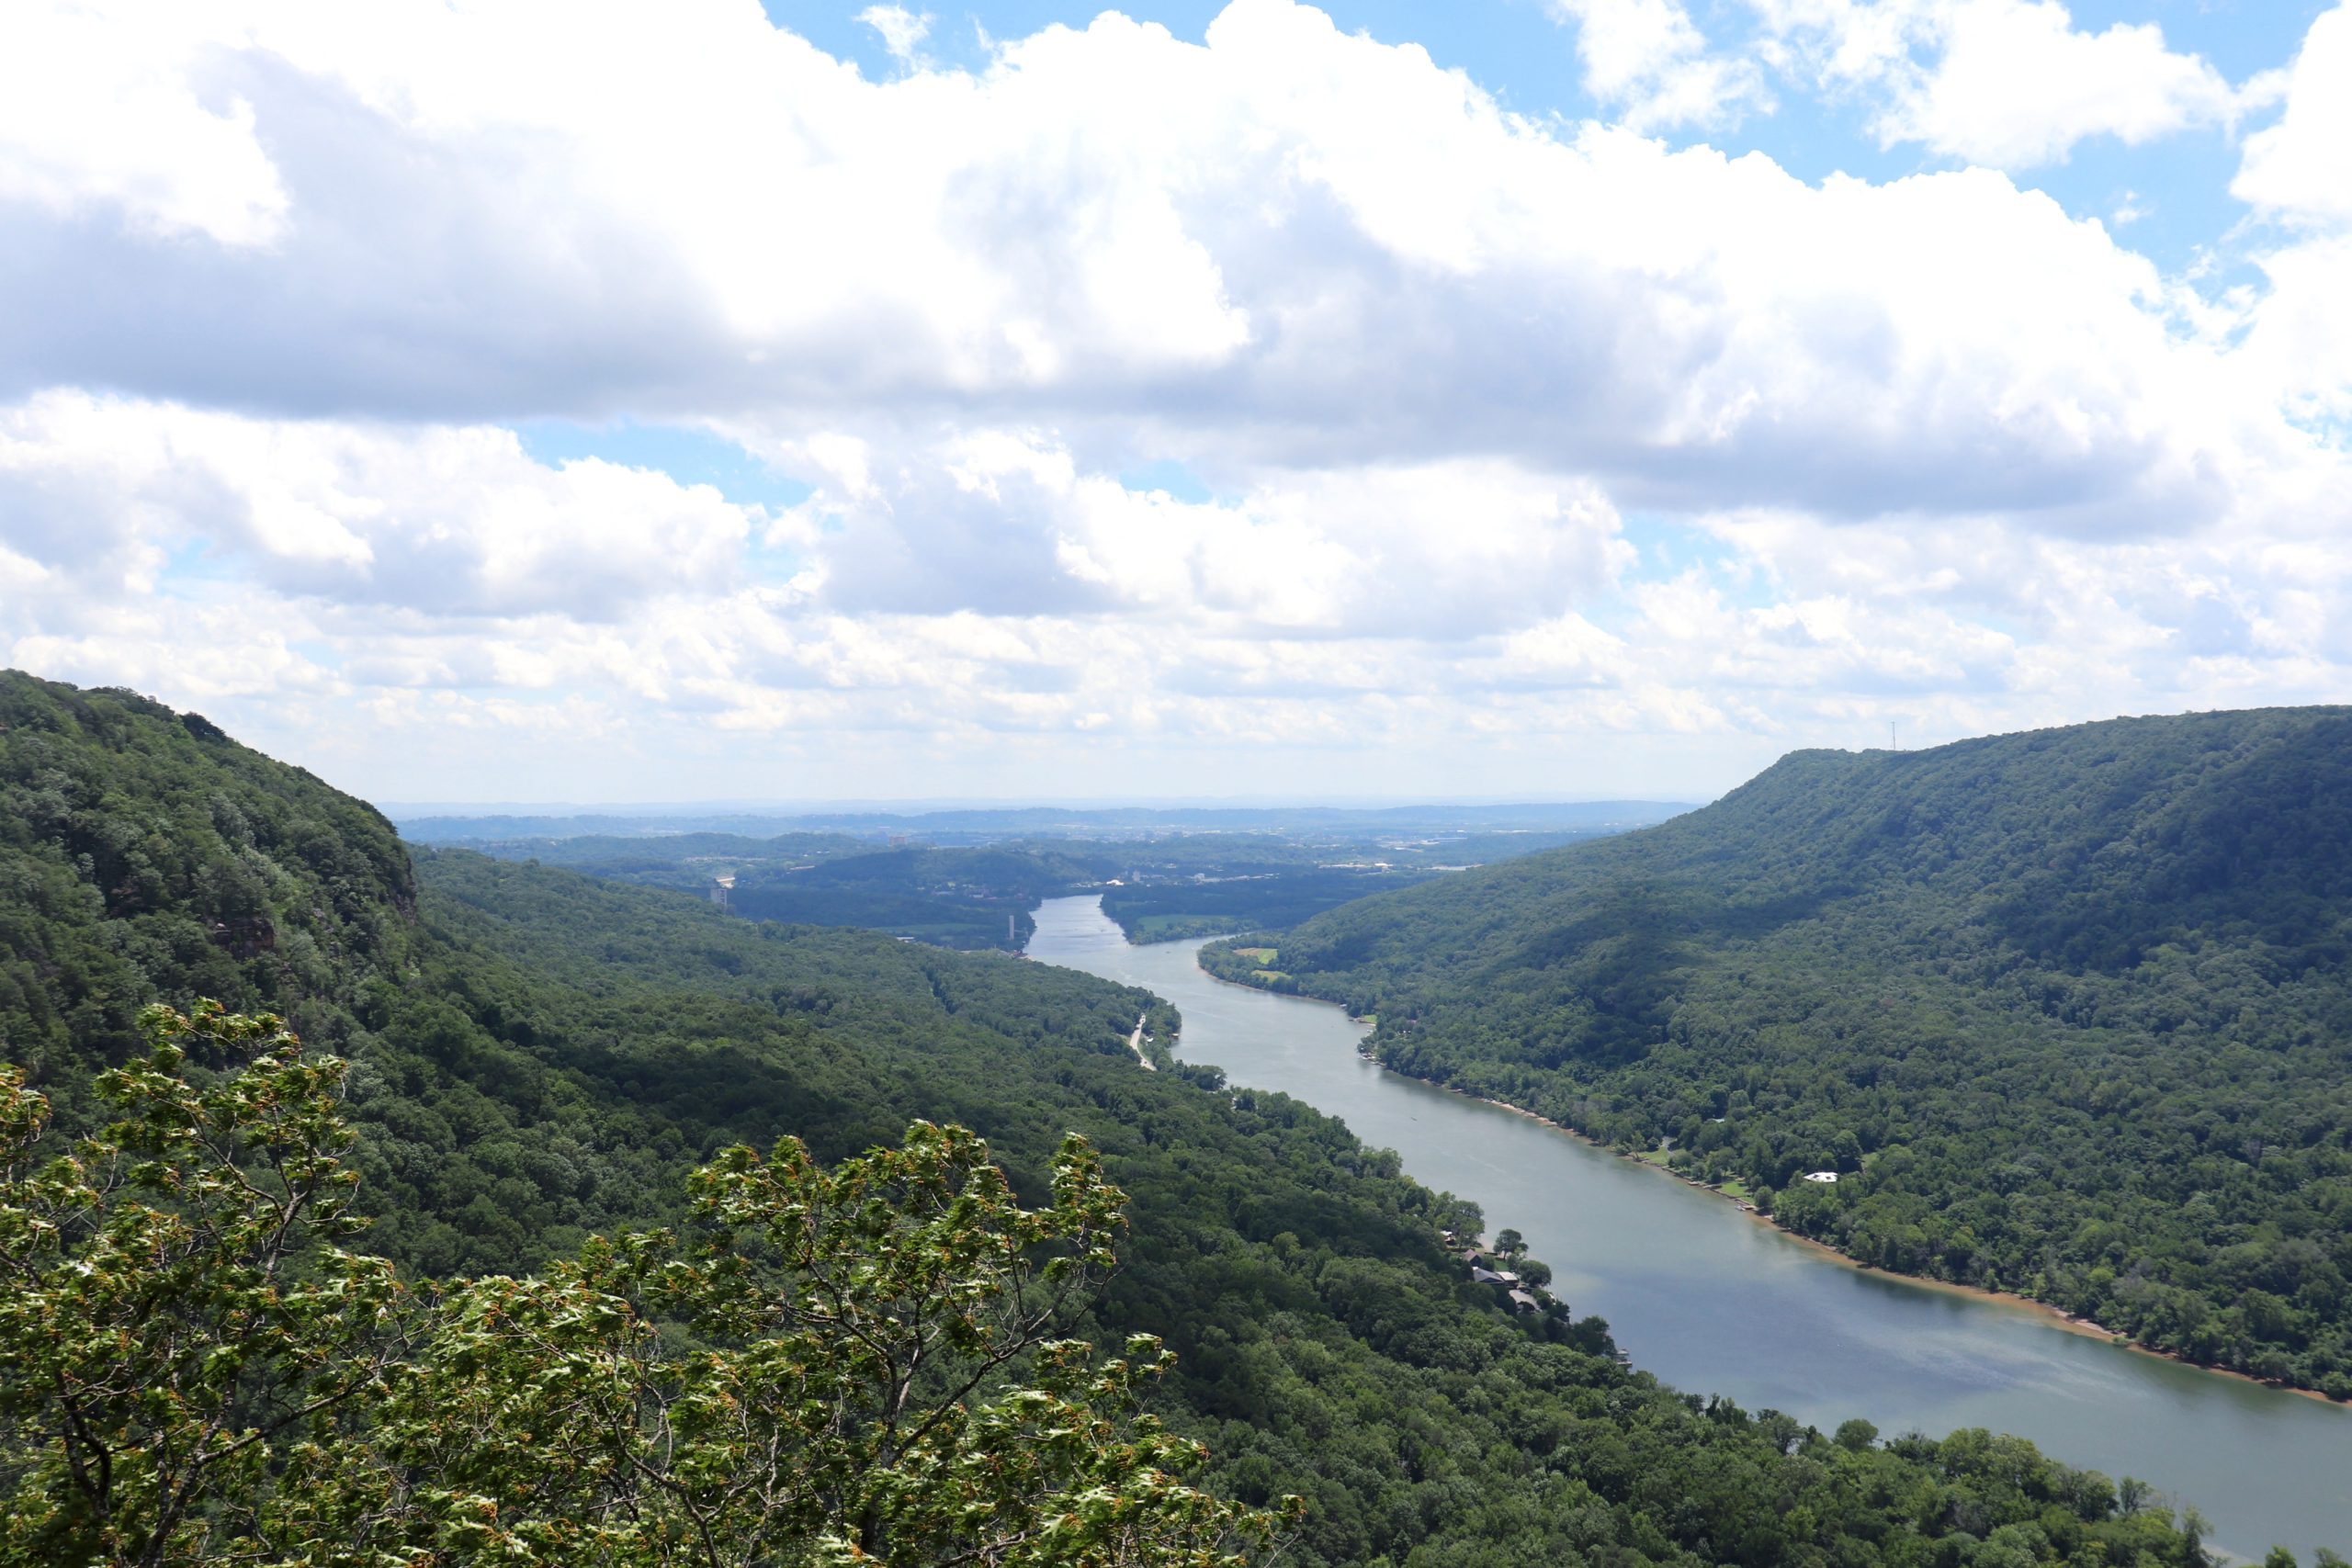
1714,1302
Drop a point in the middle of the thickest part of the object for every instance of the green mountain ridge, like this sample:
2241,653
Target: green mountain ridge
538,1055
2067,1011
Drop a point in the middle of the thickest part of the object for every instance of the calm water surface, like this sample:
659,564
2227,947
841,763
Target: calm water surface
1713,1301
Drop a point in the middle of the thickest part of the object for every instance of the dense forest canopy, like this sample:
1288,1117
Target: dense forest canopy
2067,1013
537,1056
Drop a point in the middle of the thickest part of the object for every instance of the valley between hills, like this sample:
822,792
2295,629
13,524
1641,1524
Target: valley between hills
1880,966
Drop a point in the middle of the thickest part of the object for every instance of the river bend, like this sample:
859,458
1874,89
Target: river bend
1711,1301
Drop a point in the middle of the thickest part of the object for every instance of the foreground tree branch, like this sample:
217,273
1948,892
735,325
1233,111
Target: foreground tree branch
865,1364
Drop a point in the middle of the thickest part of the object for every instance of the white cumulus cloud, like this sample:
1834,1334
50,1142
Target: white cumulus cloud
1647,60
2298,174
1289,245
442,521
2007,84
902,31
1520,437
145,119
2301,167
2019,84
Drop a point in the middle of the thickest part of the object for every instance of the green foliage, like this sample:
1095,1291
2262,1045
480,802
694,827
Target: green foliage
2064,1008
885,1381
857,1364
683,861
145,856
1267,901
537,1057
957,897
171,1323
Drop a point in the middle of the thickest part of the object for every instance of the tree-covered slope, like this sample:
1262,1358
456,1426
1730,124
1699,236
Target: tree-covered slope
538,1055
143,854
2067,1011
687,860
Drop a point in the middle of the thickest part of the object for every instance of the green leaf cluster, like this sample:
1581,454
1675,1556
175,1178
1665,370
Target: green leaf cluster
853,1365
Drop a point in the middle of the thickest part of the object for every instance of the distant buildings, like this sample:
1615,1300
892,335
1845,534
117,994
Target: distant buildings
722,891
1516,1295
1822,1176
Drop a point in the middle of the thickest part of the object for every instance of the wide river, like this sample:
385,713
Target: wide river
1711,1301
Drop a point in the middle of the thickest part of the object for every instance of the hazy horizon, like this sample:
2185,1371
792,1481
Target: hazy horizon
883,804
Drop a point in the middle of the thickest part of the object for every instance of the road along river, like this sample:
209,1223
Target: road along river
1714,1302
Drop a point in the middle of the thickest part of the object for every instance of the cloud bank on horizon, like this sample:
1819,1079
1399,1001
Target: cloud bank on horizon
1264,409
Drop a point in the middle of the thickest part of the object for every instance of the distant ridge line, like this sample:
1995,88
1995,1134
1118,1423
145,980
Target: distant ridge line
1059,821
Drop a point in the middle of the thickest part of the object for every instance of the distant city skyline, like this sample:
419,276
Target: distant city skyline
1520,399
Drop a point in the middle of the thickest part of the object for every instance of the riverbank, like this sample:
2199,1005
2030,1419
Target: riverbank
2026,1305
1705,1302
2055,1316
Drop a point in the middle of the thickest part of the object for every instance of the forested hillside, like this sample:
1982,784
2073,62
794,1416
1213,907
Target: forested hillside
683,861
2067,1013
146,854
538,1055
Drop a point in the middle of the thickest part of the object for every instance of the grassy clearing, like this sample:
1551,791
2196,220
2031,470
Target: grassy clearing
1730,1186
1176,928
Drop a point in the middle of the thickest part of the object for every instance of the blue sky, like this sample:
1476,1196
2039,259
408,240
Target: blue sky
1558,397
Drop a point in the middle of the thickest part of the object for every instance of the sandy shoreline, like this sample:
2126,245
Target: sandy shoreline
2054,1316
